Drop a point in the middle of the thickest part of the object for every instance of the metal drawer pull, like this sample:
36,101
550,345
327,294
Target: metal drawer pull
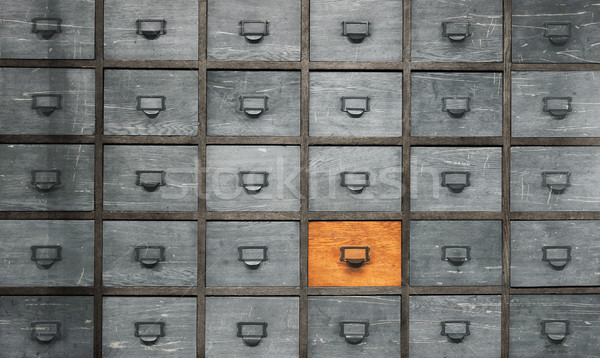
252,256
149,256
149,332
557,256
456,31
253,182
355,256
355,107
46,104
46,27
558,107
456,182
254,106
455,331
46,331
252,332
150,180
254,30
45,256
355,182
456,255
558,33
151,29
456,107
45,180
354,332
556,181
151,105
555,330
356,31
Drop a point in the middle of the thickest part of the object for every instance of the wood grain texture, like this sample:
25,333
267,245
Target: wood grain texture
382,237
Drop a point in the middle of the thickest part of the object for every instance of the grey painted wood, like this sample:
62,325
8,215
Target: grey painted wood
384,118
528,164
224,164
528,239
180,164
484,44
224,240
74,161
327,164
529,89
527,312
224,90
178,238
74,41
224,39
483,164
430,90
119,315
430,240
75,315
19,86
121,41
383,44
280,314
528,28
121,91
428,312
326,312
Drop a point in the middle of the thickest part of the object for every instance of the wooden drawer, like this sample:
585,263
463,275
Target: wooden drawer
165,179
150,102
151,30
355,104
252,253
455,326
457,31
253,30
442,255
248,327
463,104
354,253
144,327
253,103
353,326
253,178
46,177
355,178
47,326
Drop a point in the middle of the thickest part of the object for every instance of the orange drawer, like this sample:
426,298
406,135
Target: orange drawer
354,253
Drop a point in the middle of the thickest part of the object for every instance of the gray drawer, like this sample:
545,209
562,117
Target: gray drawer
150,253
47,101
253,103
47,29
455,326
457,31
355,178
355,104
46,177
253,178
47,326
150,178
252,327
456,179
369,30
150,102
143,327
554,179
554,325
442,255
555,104
352,326
466,104
253,30
151,30
549,31
555,253
252,253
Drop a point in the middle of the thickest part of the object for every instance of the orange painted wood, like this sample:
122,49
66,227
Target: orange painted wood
383,239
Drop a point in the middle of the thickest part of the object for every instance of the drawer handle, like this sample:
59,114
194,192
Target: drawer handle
149,256
456,181
254,30
46,104
46,27
456,255
456,31
149,332
455,331
556,181
45,180
253,182
456,107
252,256
151,105
355,256
46,331
254,106
557,256
45,256
150,180
355,107
355,182
555,330
354,332
356,31
252,332
558,107
151,29
558,33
